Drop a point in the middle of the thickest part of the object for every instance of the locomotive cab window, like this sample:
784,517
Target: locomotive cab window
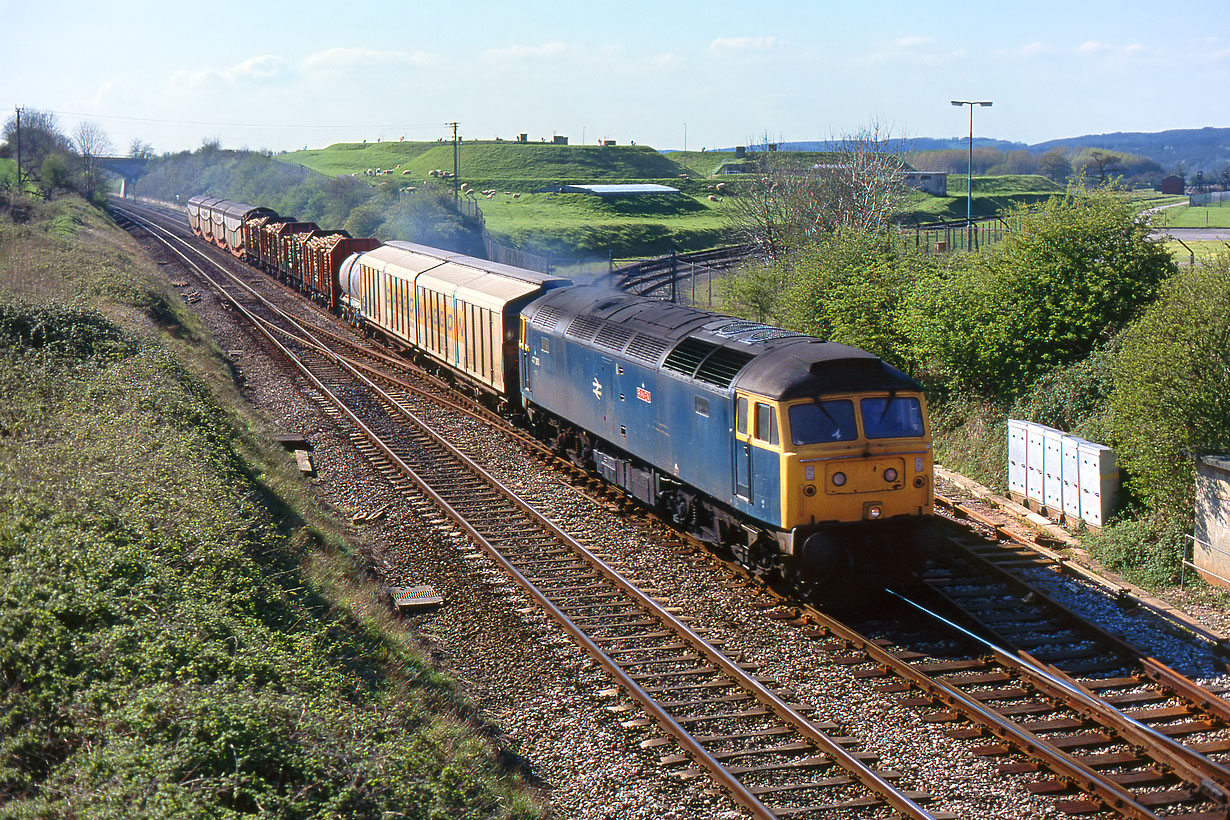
891,417
822,422
766,423
741,416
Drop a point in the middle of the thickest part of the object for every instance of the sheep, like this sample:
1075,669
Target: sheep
721,186
406,172
516,196
712,198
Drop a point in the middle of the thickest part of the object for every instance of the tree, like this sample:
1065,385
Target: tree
1170,399
1055,165
789,201
1072,271
40,137
1101,161
140,150
91,143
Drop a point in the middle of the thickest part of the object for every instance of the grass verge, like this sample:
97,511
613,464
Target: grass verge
180,631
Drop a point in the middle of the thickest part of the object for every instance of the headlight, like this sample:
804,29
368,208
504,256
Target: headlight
839,479
874,512
890,475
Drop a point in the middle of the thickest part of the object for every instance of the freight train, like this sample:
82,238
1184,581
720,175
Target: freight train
803,458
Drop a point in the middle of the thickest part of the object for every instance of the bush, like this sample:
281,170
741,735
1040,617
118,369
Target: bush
1171,398
1074,398
1146,551
1071,273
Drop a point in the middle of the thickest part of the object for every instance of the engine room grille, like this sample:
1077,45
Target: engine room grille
583,328
720,368
548,316
613,336
688,355
646,348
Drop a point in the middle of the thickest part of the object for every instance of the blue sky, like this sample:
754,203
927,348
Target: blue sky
288,75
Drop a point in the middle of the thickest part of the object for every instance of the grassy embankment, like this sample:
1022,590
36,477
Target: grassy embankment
181,632
576,225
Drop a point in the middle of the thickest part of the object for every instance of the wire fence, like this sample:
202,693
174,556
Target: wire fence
1219,198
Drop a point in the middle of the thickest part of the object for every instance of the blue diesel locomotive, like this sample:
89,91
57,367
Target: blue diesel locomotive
799,455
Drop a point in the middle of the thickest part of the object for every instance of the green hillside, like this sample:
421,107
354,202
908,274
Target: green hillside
491,160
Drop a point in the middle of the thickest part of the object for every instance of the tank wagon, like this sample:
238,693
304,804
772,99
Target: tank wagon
799,456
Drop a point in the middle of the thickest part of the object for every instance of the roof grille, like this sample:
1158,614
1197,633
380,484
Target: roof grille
688,355
771,333
738,326
720,368
548,316
584,328
646,348
614,336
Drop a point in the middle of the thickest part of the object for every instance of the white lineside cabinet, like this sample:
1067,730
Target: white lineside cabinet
1071,478
1099,481
1035,459
1052,469
1062,472
1017,437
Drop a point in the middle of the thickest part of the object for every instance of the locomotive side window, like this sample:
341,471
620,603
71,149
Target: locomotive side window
702,406
891,417
821,422
766,423
546,345
741,416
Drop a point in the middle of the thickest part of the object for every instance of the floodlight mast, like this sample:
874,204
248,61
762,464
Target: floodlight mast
969,190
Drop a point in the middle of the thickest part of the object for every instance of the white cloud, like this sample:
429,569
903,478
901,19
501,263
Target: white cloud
1027,50
520,52
1094,47
913,41
358,57
733,45
263,68
666,60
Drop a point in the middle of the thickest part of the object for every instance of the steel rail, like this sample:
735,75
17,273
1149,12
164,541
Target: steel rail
1070,567
1114,795
1189,763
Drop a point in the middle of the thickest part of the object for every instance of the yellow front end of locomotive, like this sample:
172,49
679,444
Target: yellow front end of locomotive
856,458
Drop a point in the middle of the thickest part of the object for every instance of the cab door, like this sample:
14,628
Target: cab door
743,448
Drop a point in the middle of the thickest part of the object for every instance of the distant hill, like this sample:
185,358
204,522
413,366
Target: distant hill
910,144
1199,149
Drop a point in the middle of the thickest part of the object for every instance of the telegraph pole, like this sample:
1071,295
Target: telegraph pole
456,162
19,189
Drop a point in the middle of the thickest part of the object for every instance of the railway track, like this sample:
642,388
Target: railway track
763,750
1061,721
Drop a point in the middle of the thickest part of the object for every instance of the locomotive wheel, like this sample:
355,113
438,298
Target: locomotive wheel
824,570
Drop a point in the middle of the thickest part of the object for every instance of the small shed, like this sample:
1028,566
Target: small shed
1172,184
1211,539
620,189
930,182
